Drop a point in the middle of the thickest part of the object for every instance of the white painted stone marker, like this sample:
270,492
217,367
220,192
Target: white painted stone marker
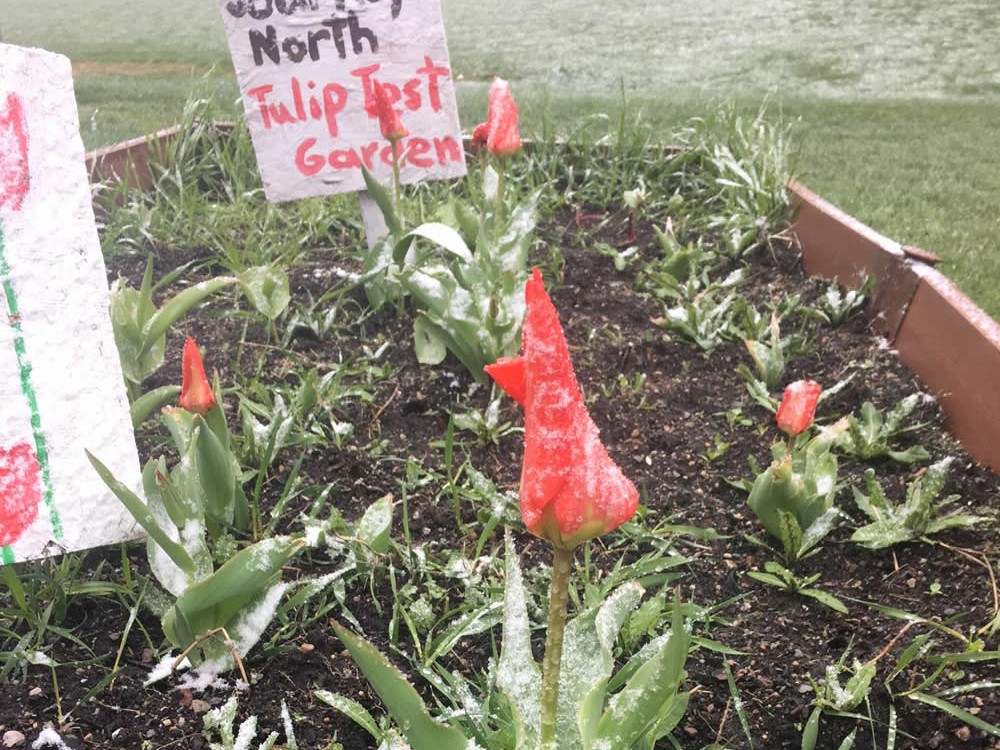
306,70
61,386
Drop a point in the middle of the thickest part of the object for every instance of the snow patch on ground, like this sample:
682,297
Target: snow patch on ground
164,668
50,740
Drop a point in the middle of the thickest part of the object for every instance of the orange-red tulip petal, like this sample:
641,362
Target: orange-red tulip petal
196,393
798,406
389,120
571,489
502,138
480,135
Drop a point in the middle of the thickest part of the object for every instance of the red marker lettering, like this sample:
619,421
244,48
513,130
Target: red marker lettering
415,150
308,164
433,73
327,106
14,174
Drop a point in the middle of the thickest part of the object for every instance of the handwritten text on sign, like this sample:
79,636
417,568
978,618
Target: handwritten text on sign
60,382
307,70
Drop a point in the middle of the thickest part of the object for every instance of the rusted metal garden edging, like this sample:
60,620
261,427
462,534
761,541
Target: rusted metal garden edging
941,335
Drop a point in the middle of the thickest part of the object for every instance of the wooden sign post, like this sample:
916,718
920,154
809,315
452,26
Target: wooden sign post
61,385
306,70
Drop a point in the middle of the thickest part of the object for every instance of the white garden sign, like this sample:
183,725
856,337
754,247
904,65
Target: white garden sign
306,70
61,385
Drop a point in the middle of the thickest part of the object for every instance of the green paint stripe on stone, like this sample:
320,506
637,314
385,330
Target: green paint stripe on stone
7,555
24,367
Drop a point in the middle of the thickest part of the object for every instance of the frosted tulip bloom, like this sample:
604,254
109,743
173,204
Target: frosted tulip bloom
480,135
798,406
571,489
502,137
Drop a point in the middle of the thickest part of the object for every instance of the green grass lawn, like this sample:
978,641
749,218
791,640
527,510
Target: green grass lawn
897,102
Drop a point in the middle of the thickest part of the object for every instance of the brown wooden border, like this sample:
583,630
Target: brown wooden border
941,335
949,342
129,161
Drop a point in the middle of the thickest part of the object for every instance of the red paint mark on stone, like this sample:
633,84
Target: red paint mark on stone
20,491
14,174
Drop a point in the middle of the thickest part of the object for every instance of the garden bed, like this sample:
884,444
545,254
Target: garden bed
679,421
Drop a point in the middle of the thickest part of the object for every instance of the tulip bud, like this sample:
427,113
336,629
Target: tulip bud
196,393
798,406
480,135
571,489
388,118
502,137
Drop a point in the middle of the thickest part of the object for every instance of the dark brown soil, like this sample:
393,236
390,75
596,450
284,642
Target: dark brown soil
661,434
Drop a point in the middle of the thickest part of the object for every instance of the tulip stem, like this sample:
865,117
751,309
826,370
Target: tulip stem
562,565
394,142
498,211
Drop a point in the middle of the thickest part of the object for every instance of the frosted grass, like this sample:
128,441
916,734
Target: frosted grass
829,48
881,49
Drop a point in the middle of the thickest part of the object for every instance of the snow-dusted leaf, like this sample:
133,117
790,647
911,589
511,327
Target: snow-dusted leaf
374,527
587,662
428,342
400,698
445,237
518,675
267,289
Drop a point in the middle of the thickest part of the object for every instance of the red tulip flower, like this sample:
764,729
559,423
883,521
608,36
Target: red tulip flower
388,118
196,393
480,135
798,406
502,138
571,490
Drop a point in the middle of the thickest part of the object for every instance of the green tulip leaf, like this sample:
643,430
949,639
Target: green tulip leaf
518,675
374,527
428,341
144,406
383,199
241,582
650,704
144,517
178,305
213,470
267,289
587,662
352,710
400,698
445,237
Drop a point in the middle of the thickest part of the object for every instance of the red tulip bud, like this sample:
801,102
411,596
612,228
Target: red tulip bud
571,489
480,135
798,406
502,138
388,118
196,393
